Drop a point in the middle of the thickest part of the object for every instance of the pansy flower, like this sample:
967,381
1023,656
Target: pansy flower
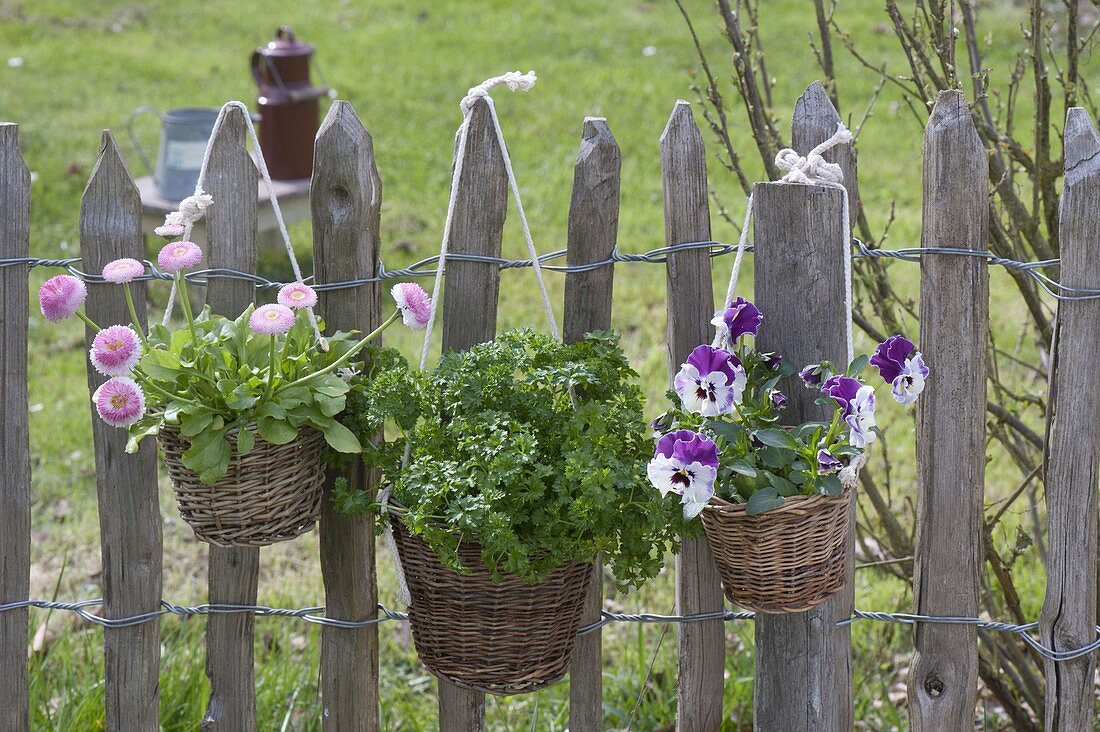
779,400
685,463
812,374
740,318
902,366
827,463
861,418
710,382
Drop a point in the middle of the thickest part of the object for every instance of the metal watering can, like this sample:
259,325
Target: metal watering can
184,134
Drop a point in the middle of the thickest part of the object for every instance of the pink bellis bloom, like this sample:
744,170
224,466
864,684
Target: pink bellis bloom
710,382
271,319
61,296
414,303
685,463
119,401
177,256
297,295
115,351
169,230
122,271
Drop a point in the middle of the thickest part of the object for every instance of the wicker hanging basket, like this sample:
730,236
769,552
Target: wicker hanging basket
272,494
501,638
786,560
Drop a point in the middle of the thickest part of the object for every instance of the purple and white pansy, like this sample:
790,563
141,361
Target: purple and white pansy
685,463
902,366
730,420
710,382
740,318
857,403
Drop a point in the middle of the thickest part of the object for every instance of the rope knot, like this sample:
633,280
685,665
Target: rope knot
813,168
514,80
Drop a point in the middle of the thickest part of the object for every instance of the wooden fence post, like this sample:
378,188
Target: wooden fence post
954,317
345,197
470,312
593,228
15,451
233,571
129,508
1068,620
690,300
802,659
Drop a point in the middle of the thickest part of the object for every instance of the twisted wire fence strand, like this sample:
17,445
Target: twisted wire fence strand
427,267
316,615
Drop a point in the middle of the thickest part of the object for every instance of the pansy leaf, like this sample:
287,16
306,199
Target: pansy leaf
782,486
742,467
777,438
729,430
192,425
831,486
763,500
858,364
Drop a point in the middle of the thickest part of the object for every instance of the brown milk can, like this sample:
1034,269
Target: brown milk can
289,105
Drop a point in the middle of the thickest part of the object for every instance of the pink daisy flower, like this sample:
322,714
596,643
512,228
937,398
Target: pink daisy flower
119,401
271,319
169,230
124,270
415,304
115,351
61,296
177,256
297,295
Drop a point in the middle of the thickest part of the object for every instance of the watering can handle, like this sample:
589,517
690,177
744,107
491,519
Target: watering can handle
134,139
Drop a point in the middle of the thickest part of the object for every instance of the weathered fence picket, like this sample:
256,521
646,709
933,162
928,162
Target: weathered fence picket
1072,473
470,311
593,230
231,179
954,336
800,271
15,451
129,509
690,298
346,196
802,661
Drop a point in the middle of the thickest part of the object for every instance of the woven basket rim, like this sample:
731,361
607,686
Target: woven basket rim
790,503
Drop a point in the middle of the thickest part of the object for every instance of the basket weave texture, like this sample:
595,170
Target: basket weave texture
271,494
506,638
786,560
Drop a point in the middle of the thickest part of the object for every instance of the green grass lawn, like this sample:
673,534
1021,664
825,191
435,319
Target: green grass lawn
405,66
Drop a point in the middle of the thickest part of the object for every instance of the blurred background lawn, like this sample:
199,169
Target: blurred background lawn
74,68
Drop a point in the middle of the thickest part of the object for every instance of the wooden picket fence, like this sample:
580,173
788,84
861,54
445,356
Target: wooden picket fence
802,663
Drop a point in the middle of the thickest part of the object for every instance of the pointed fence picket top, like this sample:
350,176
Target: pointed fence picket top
345,198
802,287
129,509
954,338
231,180
1068,619
690,299
15,462
470,312
593,229
800,271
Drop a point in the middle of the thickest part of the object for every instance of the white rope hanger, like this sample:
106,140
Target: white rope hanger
812,169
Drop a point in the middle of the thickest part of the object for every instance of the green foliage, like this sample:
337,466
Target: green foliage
501,456
212,388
